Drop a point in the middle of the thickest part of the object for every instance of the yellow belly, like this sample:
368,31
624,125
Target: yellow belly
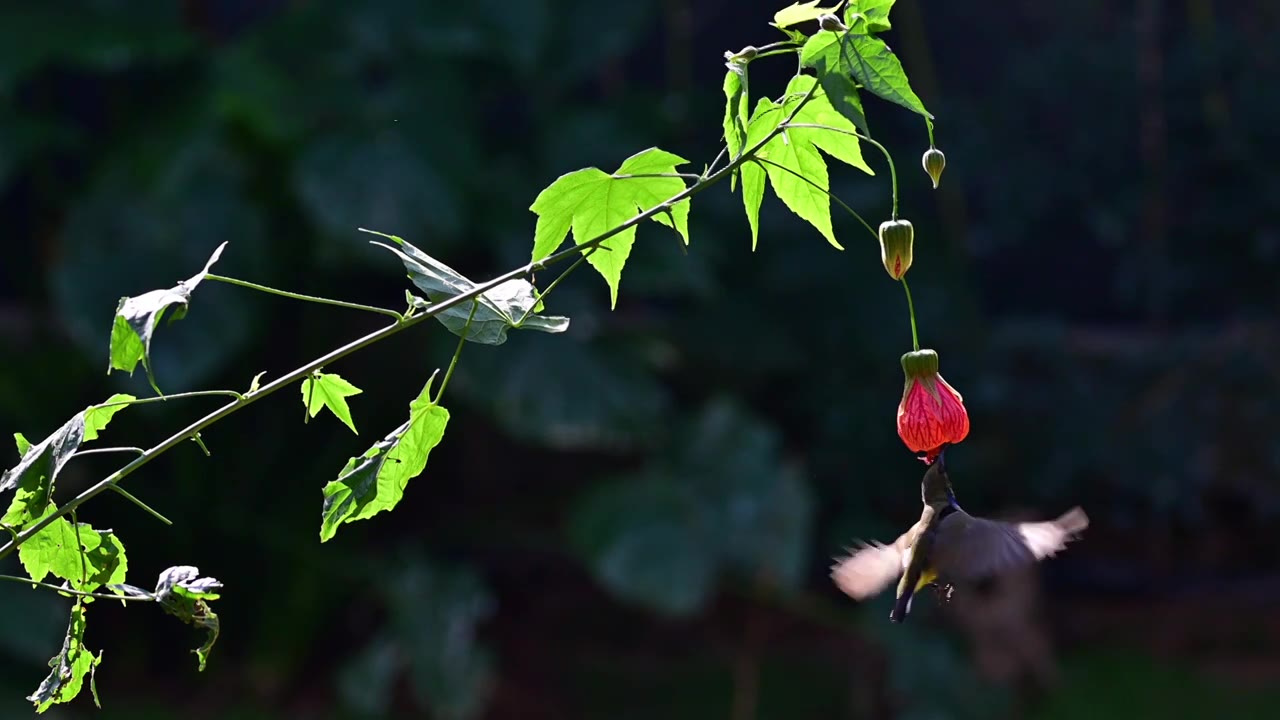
927,576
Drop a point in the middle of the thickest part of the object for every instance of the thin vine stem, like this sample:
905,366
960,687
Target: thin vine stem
828,192
69,591
683,176
457,353
174,396
100,451
306,298
893,171
711,168
145,507
542,294
911,309
240,401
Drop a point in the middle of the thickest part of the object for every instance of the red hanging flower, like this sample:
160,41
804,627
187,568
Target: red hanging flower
931,413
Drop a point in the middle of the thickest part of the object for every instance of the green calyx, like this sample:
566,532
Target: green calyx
934,162
920,363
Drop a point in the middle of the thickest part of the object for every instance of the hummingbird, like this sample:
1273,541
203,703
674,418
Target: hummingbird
948,545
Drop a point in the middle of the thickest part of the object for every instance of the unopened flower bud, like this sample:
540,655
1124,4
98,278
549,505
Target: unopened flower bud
896,238
931,413
831,23
745,55
934,161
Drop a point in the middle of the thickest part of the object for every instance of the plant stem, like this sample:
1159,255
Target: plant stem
307,298
129,496
683,176
711,168
911,308
462,341
98,451
101,596
893,171
400,325
175,396
828,192
541,295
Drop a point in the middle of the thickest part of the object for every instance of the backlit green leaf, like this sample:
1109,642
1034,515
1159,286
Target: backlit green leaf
874,13
68,668
53,551
591,202
375,481
137,317
509,305
22,442
839,142
96,417
868,59
838,86
797,13
735,111
327,390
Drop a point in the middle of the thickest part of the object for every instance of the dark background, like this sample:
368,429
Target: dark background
635,519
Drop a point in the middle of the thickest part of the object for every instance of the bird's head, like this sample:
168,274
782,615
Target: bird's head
935,488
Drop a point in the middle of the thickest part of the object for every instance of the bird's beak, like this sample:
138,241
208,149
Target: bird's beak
941,459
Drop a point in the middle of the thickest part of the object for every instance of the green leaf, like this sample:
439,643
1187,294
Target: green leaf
375,481
797,13
797,150
54,550
839,143
22,442
500,308
641,538
33,476
874,13
137,317
868,59
181,592
68,667
590,203
735,112
804,195
327,390
841,91
96,417
648,192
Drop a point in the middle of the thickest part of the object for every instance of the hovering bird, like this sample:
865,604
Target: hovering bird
948,545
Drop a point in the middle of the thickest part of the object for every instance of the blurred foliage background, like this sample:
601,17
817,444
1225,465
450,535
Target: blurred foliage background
635,519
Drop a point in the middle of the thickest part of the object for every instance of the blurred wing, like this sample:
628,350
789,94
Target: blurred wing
868,569
970,548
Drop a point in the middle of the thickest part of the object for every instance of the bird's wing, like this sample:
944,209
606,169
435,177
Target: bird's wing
870,568
970,548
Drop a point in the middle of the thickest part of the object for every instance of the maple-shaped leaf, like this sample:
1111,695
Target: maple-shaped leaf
591,202
795,167
327,390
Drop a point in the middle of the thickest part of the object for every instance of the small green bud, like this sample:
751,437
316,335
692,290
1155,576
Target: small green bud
934,161
896,238
745,55
831,23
